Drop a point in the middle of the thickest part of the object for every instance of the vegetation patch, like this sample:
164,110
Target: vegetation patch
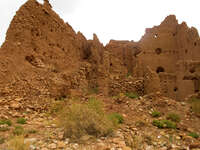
79,119
8,122
31,131
116,118
21,121
173,117
194,135
164,124
132,95
155,114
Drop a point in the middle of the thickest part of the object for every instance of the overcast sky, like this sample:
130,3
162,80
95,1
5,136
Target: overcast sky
111,19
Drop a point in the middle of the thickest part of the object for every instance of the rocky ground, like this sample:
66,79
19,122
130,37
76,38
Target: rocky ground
137,131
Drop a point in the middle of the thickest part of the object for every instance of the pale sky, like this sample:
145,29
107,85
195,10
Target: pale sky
111,19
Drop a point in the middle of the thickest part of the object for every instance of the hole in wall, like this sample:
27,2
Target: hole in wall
155,36
175,89
111,64
160,69
158,51
195,43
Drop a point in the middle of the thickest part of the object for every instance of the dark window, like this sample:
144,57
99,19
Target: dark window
160,69
175,89
158,51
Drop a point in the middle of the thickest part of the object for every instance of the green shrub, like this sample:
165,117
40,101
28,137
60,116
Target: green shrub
174,117
155,114
158,123
132,95
19,130
21,121
164,124
194,135
8,122
85,119
116,118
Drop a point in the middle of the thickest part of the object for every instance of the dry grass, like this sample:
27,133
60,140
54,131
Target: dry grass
17,143
79,119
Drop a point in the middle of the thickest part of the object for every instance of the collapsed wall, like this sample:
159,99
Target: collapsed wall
42,56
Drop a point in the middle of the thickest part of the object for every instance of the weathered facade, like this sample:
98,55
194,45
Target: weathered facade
173,51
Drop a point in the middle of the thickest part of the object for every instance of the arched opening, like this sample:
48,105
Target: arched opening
160,69
158,51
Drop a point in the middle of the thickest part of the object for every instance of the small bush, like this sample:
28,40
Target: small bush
8,122
173,117
132,95
21,121
155,114
164,124
194,135
85,119
158,123
18,130
116,118
17,143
